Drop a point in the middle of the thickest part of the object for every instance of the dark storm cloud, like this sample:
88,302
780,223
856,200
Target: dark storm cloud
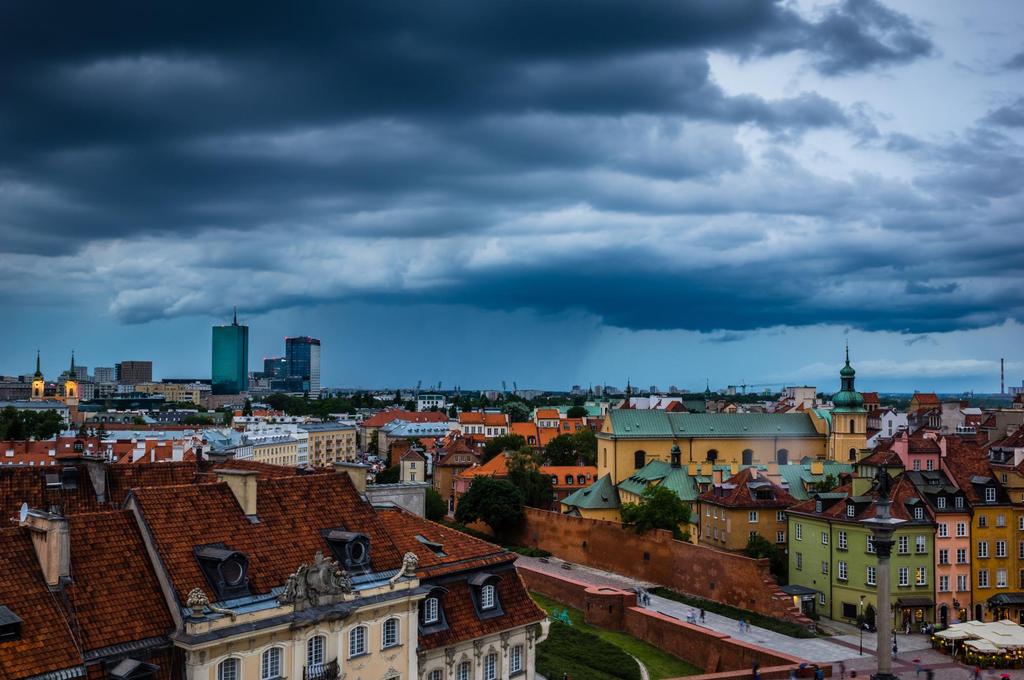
1011,115
484,153
1016,62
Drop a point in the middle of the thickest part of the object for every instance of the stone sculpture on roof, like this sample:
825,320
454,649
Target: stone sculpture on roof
314,584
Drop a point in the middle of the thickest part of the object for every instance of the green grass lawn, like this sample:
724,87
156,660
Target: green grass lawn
659,664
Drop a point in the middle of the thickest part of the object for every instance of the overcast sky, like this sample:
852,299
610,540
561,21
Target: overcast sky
546,192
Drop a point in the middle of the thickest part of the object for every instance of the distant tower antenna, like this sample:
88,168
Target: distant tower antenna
234,319
1002,377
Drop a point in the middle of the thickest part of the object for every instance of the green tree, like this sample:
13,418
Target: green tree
659,508
758,546
826,484
436,508
197,419
586,446
247,409
524,472
496,502
579,448
576,412
496,445
388,476
517,411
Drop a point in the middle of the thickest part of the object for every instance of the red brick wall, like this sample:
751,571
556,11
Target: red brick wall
615,610
655,556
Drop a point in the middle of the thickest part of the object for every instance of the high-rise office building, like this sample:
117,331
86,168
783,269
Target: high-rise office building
303,357
275,367
103,374
133,372
230,374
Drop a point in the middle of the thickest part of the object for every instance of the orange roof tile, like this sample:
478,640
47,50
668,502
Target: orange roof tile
384,417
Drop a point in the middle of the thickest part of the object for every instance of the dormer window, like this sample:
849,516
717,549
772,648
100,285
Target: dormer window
431,610
990,494
484,592
817,506
487,597
958,501
940,502
10,625
918,513
851,510
226,570
350,549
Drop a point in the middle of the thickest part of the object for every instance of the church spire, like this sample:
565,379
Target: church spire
72,371
234,320
39,372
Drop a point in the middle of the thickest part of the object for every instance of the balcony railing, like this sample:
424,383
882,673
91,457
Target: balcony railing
321,671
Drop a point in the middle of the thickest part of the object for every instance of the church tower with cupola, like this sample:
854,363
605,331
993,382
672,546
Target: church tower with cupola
38,384
71,385
849,417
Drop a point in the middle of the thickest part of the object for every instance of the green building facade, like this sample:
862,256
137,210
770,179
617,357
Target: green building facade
830,552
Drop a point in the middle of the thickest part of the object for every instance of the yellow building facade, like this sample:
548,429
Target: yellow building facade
330,443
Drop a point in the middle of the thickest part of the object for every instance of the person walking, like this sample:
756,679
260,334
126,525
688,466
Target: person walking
702,615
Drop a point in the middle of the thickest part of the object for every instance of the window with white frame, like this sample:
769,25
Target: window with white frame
515,659
824,567
919,513
904,576
780,537
920,545
943,556
315,653
943,584
752,516
929,464
389,633
463,671
487,597
270,664
824,538
940,502
961,555
357,641
983,578
799,531
780,516
1000,520
870,579
436,674
841,572
227,669
799,561
982,521
491,666
1000,548
961,529
958,501
917,465
817,506
851,510
961,583
904,544
943,530
821,599
841,539
922,576
990,494
431,610
982,548
1000,578
870,543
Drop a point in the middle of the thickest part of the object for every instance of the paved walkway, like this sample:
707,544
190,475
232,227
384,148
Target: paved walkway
822,649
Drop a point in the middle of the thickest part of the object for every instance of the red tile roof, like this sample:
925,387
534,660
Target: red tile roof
900,494
291,511
28,485
462,551
114,594
46,643
482,418
384,417
736,492
548,414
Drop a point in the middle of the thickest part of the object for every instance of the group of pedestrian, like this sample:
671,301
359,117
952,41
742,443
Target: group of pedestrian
744,626
643,598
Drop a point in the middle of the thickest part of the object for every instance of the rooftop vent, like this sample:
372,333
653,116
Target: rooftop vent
131,669
350,549
10,625
226,570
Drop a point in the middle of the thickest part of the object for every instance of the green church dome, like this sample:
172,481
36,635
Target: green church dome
847,398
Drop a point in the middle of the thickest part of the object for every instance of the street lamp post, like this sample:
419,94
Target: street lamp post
882,527
860,625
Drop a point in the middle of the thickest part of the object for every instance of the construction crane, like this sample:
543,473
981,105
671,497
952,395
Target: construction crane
744,386
504,389
418,384
515,388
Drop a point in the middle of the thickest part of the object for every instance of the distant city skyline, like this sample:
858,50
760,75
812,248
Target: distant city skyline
546,193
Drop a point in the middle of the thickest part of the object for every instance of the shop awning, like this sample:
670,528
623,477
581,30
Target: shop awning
914,602
1006,600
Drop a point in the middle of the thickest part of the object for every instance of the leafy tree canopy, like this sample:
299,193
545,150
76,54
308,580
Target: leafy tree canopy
659,508
436,508
758,546
496,502
579,448
496,445
524,472
517,411
577,412
388,476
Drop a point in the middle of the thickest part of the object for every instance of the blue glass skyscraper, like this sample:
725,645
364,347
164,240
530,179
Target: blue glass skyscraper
230,374
303,357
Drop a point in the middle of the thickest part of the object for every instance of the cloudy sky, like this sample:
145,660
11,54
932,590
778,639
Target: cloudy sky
578,191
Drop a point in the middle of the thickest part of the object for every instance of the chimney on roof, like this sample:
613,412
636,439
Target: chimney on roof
243,485
355,471
817,467
52,542
97,470
716,476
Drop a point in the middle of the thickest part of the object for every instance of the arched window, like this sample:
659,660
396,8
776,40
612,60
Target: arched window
463,672
568,480
853,455
315,653
487,597
782,456
712,455
357,641
270,664
639,459
852,427
389,633
436,674
748,457
227,669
